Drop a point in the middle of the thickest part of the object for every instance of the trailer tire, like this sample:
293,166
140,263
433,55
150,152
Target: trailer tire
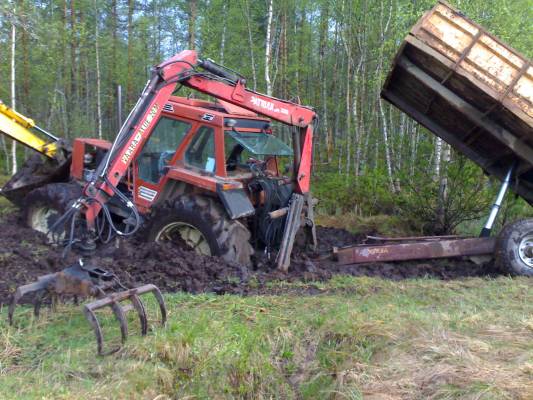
43,206
514,248
220,236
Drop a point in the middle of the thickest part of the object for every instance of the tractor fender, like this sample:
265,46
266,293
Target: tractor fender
236,202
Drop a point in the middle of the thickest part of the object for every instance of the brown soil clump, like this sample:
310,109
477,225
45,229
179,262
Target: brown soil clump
26,256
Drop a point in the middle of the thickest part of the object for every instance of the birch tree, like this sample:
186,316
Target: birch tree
268,49
224,27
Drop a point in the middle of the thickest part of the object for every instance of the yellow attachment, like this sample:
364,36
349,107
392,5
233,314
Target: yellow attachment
17,127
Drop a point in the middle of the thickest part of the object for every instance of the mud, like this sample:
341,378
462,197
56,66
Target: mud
25,255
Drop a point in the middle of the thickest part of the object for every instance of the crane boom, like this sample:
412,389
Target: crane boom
19,128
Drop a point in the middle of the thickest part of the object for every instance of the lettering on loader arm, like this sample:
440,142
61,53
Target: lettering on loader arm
138,136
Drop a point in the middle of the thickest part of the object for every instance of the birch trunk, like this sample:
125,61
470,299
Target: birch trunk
223,38
13,97
98,78
268,49
385,126
437,161
443,190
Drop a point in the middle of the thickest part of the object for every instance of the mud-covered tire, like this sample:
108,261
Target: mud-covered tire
43,206
228,239
511,255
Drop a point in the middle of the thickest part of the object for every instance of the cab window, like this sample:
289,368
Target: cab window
201,151
236,154
160,147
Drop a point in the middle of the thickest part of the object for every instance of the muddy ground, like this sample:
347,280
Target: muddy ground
25,255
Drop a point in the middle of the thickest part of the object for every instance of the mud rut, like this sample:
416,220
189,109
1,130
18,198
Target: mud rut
25,255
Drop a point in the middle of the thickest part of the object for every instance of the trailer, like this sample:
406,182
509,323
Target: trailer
469,88
476,93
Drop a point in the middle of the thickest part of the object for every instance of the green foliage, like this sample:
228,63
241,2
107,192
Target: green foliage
367,195
466,197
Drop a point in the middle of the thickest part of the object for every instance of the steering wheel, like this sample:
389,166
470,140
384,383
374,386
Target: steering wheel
164,158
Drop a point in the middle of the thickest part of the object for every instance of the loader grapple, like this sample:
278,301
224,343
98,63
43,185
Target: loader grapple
82,281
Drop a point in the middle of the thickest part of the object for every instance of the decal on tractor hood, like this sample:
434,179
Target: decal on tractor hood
138,136
268,105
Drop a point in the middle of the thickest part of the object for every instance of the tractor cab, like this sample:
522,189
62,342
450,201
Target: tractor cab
206,145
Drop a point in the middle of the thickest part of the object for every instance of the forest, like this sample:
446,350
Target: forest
78,66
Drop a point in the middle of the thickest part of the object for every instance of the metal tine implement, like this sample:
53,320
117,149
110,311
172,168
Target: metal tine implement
113,301
81,280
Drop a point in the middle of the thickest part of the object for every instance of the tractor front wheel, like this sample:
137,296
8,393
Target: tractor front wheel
202,225
44,206
514,248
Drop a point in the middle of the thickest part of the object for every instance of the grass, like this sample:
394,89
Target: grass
361,338
386,225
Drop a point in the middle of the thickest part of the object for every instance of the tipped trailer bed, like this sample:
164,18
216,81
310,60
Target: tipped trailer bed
475,92
469,88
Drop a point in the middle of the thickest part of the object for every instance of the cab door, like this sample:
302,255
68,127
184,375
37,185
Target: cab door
158,152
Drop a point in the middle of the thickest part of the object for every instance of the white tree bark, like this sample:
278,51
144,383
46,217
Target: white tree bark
223,38
438,156
385,127
98,79
268,49
443,185
13,97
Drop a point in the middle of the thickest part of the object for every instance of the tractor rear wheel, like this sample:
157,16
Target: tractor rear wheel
202,224
514,248
45,205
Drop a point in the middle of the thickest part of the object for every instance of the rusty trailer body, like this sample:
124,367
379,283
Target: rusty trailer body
404,249
475,92
470,89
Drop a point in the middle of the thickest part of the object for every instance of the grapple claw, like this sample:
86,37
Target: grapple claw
80,280
38,287
113,300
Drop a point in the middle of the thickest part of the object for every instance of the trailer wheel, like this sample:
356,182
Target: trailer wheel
202,224
514,248
43,206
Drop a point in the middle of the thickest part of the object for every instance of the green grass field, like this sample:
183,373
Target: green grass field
358,338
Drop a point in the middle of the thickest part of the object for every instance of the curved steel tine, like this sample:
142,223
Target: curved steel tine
117,310
91,317
37,303
139,307
21,292
162,306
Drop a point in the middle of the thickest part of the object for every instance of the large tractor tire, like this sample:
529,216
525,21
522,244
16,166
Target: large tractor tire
44,206
203,225
514,248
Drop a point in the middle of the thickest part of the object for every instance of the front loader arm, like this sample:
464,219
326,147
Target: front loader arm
135,132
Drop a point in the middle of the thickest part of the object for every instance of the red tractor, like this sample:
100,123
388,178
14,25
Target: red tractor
199,172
